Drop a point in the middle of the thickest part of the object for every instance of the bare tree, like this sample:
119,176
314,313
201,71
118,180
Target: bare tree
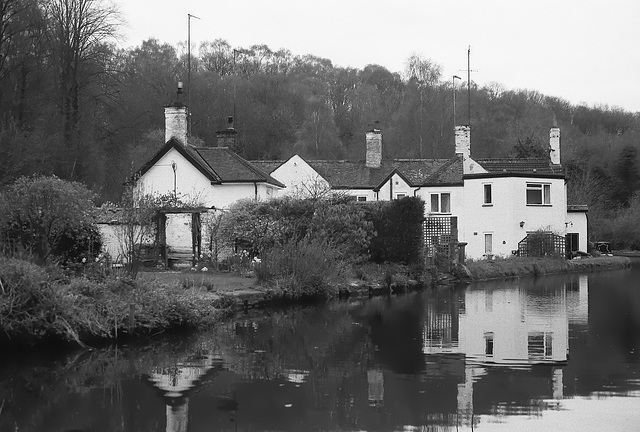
77,35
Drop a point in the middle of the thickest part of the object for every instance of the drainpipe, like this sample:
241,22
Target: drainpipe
255,191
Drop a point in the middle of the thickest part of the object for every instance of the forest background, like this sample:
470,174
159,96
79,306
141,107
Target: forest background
74,105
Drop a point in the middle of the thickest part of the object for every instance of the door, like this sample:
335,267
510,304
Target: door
488,244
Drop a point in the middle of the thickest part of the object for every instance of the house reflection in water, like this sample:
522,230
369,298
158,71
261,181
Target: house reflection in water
177,381
506,326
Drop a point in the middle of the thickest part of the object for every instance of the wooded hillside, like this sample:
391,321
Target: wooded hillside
74,105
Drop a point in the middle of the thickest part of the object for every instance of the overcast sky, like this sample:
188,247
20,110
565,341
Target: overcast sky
585,51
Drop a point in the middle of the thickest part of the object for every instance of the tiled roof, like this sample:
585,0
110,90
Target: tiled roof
218,164
417,172
232,168
268,166
520,166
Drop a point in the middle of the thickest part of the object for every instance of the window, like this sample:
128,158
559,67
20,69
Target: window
441,203
488,343
362,198
538,194
400,195
540,345
487,195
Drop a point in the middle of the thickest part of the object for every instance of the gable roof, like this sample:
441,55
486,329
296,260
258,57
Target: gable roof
231,168
530,166
187,152
349,174
218,164
416,172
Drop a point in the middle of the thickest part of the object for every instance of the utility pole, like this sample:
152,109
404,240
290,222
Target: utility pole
235,77
469,83
189,16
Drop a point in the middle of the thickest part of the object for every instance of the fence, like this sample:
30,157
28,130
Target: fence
440,237
540,244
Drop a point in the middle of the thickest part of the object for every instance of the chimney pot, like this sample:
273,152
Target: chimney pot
228,136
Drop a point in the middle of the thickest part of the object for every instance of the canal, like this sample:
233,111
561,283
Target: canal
557,353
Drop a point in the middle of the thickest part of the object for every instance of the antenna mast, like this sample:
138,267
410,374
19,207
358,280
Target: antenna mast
189,16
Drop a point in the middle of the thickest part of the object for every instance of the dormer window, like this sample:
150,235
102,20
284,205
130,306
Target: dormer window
441,202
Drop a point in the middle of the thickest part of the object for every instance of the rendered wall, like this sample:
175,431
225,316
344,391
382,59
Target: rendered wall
509,208
299,178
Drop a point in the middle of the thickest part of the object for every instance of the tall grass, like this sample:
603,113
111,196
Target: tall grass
35,305
302,268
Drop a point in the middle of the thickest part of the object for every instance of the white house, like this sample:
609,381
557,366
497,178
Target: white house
208,179
493,204
489,204
214,177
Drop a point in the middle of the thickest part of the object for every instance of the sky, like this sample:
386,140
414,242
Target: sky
583,51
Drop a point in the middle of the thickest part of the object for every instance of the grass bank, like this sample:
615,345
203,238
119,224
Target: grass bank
38,304
519,267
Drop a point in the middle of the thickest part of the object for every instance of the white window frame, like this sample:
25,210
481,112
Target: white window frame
487,187
545,194
361,198
440,203
401,195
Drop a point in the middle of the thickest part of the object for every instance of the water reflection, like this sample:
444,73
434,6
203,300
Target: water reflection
442,360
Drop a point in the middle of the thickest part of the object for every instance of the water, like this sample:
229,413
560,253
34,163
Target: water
551,354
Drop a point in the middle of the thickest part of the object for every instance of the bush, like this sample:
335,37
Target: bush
398,227
41,212
302,268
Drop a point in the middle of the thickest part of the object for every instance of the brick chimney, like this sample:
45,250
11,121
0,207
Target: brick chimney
175,120
554,144
463,141
227,137
374,148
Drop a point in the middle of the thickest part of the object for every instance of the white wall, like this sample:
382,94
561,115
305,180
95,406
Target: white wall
502,218
191,183
457,199
576,222
188,180
511,315
394,186
299,178
110,240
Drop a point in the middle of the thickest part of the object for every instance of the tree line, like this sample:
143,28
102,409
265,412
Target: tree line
75,105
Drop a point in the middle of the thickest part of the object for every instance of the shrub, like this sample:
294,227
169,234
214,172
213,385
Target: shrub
398,226
302,268
40,211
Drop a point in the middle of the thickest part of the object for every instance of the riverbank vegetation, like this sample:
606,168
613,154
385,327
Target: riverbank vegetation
307,247
524,267
296,248
42,303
